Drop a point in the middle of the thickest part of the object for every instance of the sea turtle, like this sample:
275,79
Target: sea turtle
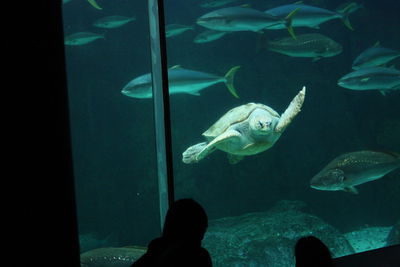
245,130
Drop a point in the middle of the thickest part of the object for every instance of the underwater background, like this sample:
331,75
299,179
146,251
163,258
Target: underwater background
113,135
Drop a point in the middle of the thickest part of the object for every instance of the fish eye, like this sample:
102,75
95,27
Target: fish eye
260,123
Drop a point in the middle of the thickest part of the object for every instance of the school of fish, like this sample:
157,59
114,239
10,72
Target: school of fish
371,68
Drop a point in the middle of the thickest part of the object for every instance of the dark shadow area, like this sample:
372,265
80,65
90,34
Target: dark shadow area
384,257
312,252
43,200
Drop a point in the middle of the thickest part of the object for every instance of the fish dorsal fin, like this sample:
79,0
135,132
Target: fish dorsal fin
394,154
390,153
175,67
94,4
377,44
245,5
298,3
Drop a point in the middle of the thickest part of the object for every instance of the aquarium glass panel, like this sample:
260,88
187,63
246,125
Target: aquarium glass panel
106,46
286,163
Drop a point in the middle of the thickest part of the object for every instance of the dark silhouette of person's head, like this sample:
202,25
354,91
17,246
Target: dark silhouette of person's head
312,252
180,244
185,220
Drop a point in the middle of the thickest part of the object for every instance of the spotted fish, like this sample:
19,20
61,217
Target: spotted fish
312,45
355,168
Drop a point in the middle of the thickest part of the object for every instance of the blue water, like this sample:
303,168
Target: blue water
113,135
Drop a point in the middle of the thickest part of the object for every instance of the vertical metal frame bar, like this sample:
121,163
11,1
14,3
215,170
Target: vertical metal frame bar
161,105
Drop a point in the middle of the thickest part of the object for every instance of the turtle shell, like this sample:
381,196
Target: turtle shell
235,115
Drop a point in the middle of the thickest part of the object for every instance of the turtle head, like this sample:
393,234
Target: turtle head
261,122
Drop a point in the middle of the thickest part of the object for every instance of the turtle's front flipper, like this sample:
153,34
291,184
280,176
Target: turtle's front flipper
291,112
190,154
220,138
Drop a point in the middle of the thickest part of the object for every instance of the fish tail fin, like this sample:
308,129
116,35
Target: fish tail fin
346,21
345,12
288,23
229,76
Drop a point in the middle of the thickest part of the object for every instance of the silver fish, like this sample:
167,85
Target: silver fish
355,168
375,56
176,29
373,78
180,80
110,22
309,16
81,38
243,19
313,45
208,36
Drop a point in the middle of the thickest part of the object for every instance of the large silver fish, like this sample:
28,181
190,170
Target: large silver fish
373,78
110,22
375,56
81,38
313,45
309,16
244,19
180,80
355,168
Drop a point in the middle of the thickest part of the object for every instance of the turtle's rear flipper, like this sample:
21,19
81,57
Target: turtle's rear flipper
291,112
233,159
190,154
